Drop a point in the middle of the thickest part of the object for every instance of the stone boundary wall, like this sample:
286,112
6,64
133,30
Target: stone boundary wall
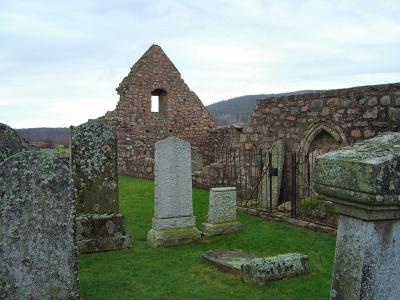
347,115
352,114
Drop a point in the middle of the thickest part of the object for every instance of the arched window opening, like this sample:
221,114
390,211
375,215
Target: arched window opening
159,101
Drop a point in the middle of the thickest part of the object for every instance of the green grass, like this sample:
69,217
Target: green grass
181,273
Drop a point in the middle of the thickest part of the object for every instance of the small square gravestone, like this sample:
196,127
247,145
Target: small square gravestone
37,229
221,218
173,221
100,226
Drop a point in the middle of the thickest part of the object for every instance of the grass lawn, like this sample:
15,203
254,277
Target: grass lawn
181,273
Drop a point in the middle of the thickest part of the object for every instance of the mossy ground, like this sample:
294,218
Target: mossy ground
181,273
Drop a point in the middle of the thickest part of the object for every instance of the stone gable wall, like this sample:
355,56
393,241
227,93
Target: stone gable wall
181,113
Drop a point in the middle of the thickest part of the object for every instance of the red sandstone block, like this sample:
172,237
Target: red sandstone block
356,133
372,101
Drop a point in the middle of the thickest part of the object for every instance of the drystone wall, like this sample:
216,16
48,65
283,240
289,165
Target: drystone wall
180,114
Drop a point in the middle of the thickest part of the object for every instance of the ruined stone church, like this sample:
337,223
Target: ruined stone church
321,121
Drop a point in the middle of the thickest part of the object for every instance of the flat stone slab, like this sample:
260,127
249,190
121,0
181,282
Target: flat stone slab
258,270
229,261
262,270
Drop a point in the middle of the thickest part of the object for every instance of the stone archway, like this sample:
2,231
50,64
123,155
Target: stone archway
323,133
320,138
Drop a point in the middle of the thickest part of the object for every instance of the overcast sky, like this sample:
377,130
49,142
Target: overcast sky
60,61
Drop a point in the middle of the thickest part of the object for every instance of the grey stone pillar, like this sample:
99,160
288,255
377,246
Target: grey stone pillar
364,183
173,221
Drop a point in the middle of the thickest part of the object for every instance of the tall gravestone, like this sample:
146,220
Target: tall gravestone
173,221
363,181
37,229
221,218
277,157
100,226
10,142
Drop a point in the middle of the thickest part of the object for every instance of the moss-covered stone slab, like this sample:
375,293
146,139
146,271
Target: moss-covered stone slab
101,233
10,142
38,258
363,180
211,229
229,261
262,270
94,167
172,237
95,176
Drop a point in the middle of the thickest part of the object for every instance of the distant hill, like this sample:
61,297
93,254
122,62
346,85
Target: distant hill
55,136
238,109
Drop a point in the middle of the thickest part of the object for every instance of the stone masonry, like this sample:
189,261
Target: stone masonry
181,113
173,221
348,115
326,120
100,226
363,181
37,229
221,218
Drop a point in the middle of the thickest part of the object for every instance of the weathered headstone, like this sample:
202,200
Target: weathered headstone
100,226
37,229
262,270
363,181
221,218
173,221
278,155
10,142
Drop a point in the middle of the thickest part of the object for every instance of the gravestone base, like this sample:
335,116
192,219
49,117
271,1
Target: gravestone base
172,236
104,232
211,229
